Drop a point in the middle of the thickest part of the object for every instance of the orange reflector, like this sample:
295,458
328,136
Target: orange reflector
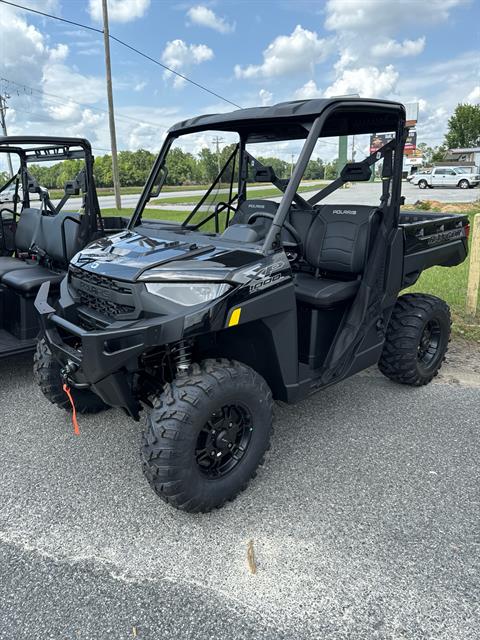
234,317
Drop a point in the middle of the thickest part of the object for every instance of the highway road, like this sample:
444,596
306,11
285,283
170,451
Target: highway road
359,193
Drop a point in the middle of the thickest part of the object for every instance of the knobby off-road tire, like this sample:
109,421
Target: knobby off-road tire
417,339
46,372
192,446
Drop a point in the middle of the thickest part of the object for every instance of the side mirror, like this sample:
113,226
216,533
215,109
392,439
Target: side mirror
72,188
264,174
158,184
356,172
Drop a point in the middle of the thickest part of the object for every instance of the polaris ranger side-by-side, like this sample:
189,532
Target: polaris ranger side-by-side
37,237
204,322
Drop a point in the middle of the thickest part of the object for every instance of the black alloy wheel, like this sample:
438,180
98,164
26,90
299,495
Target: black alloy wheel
224,440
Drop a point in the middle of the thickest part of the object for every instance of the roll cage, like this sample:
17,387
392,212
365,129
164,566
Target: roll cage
310,120
37,149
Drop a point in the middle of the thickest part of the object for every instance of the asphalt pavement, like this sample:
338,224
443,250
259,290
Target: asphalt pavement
359,193
364,522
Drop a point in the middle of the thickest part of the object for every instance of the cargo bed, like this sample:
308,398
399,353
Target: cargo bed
432,239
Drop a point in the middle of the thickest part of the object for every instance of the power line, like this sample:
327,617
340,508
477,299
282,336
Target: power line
124,44
180,75
62,100
48,15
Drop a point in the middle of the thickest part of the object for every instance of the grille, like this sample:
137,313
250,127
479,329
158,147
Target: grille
98,280
97,293
105,307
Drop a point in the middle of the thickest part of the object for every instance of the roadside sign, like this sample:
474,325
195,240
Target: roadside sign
377,140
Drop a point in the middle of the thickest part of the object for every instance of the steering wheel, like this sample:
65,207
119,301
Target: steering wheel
294,246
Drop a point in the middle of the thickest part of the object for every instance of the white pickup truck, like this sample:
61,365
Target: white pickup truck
461,177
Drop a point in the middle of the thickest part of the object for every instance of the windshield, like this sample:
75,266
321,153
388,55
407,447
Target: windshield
201,181
463,170
211,180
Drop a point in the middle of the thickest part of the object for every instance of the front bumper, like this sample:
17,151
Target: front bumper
102,360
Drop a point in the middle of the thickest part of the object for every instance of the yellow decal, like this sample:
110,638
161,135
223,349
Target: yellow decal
235,317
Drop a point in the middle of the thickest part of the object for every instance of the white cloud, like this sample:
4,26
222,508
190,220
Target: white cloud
27,52
179,56
265,97
205,17
369,82
372,16
308,91
393,49
79,87
140,86
474,96
300,51
119,10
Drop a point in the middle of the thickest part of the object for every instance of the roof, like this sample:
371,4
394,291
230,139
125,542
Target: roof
43,140
290,120
466,150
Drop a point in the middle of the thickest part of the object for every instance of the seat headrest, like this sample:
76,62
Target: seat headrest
249,207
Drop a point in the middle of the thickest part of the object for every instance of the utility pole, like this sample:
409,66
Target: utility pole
3,110
111,115
342,153
353,148
216,140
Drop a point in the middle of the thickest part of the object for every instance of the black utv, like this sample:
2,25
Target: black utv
38,237
205,322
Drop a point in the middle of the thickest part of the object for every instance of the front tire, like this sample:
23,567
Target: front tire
417,339
46,372
207,434
464,184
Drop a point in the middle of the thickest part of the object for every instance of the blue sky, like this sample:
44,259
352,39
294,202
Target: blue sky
253,52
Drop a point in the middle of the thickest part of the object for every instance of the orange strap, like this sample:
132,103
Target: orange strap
76,429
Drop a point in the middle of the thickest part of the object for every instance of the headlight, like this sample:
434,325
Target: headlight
187,294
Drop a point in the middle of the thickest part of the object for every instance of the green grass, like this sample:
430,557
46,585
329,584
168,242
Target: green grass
257,193
101,191
108,191
450,284
157,214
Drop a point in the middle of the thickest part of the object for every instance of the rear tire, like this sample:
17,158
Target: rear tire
207,434
422,184
46,372
417,339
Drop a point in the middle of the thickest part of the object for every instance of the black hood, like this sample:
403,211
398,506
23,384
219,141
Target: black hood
129,255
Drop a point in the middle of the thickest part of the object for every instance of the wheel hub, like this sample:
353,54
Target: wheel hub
223,441
429,343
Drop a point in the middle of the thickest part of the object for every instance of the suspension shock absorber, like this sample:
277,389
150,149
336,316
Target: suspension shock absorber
182,357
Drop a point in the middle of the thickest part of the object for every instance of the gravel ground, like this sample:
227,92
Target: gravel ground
364,521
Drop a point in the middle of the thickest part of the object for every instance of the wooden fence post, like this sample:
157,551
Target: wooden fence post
474,269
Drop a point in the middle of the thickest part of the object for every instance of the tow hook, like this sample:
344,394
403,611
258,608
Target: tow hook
67,370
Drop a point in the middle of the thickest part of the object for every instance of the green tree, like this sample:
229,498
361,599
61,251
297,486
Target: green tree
4,176
208,165
330,172
315,170
181,167
432,154
464,127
